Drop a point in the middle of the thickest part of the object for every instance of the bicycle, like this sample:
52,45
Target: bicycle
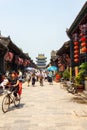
63,83
72,88
8,99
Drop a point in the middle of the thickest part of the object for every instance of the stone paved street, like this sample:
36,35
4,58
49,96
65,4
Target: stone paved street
46,108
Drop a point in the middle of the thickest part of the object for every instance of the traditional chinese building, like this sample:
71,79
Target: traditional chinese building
53,60
12,57
78,36
41,61
78,45
63,56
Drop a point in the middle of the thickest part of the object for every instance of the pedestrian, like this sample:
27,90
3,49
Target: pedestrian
50,78
33,79
28,78
41,78
45,76
4,81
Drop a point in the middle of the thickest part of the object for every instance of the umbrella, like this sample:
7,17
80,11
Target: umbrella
52,68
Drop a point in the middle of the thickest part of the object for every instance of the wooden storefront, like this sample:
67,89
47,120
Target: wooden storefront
63,56
78,36
12,57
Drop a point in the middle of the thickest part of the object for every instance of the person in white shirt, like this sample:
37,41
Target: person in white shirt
28,78
4,81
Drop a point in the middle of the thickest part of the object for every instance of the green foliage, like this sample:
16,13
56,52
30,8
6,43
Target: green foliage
66,74
83,66
80,77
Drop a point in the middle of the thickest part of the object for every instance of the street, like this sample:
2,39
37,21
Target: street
49,107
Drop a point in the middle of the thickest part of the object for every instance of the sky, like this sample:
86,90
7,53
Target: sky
38,26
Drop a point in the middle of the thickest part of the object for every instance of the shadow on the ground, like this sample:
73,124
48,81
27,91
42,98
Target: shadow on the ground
20,106
80,100
16,107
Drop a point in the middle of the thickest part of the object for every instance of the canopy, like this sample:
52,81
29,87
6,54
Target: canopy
52,68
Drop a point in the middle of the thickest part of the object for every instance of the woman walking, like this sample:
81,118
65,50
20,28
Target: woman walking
33,79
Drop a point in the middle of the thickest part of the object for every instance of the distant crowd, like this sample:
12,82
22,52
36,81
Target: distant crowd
13,80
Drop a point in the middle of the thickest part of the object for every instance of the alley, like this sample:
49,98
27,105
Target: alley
46,108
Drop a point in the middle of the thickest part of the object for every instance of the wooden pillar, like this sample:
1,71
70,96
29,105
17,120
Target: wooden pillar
76,70
71,58
70,72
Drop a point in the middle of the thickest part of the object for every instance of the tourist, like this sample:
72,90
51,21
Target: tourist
41,78
50,78
28,78
4,81
33,79
14,83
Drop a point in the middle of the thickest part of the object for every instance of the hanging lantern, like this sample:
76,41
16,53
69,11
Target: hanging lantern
83,44
83,39
76,43
76,60
76,47
76,56
8,56
84,28
21,61
83,49
76,51
81,34
75,36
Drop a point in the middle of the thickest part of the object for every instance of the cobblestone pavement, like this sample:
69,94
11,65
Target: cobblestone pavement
46,108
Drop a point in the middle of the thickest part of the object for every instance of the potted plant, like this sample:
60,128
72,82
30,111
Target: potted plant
81,76
83,67
66,74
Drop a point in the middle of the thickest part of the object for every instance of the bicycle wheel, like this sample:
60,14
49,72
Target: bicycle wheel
17,100
5,103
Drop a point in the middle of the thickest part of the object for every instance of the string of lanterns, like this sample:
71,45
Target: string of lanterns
80,38
76,48
83,31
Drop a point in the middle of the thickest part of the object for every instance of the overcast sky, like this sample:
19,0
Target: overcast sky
38,26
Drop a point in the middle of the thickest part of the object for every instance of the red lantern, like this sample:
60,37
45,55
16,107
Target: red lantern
76,47
59,64
83,39
8,56
81,34
84,49
76,60
76,56
83,44
76,52
76,43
